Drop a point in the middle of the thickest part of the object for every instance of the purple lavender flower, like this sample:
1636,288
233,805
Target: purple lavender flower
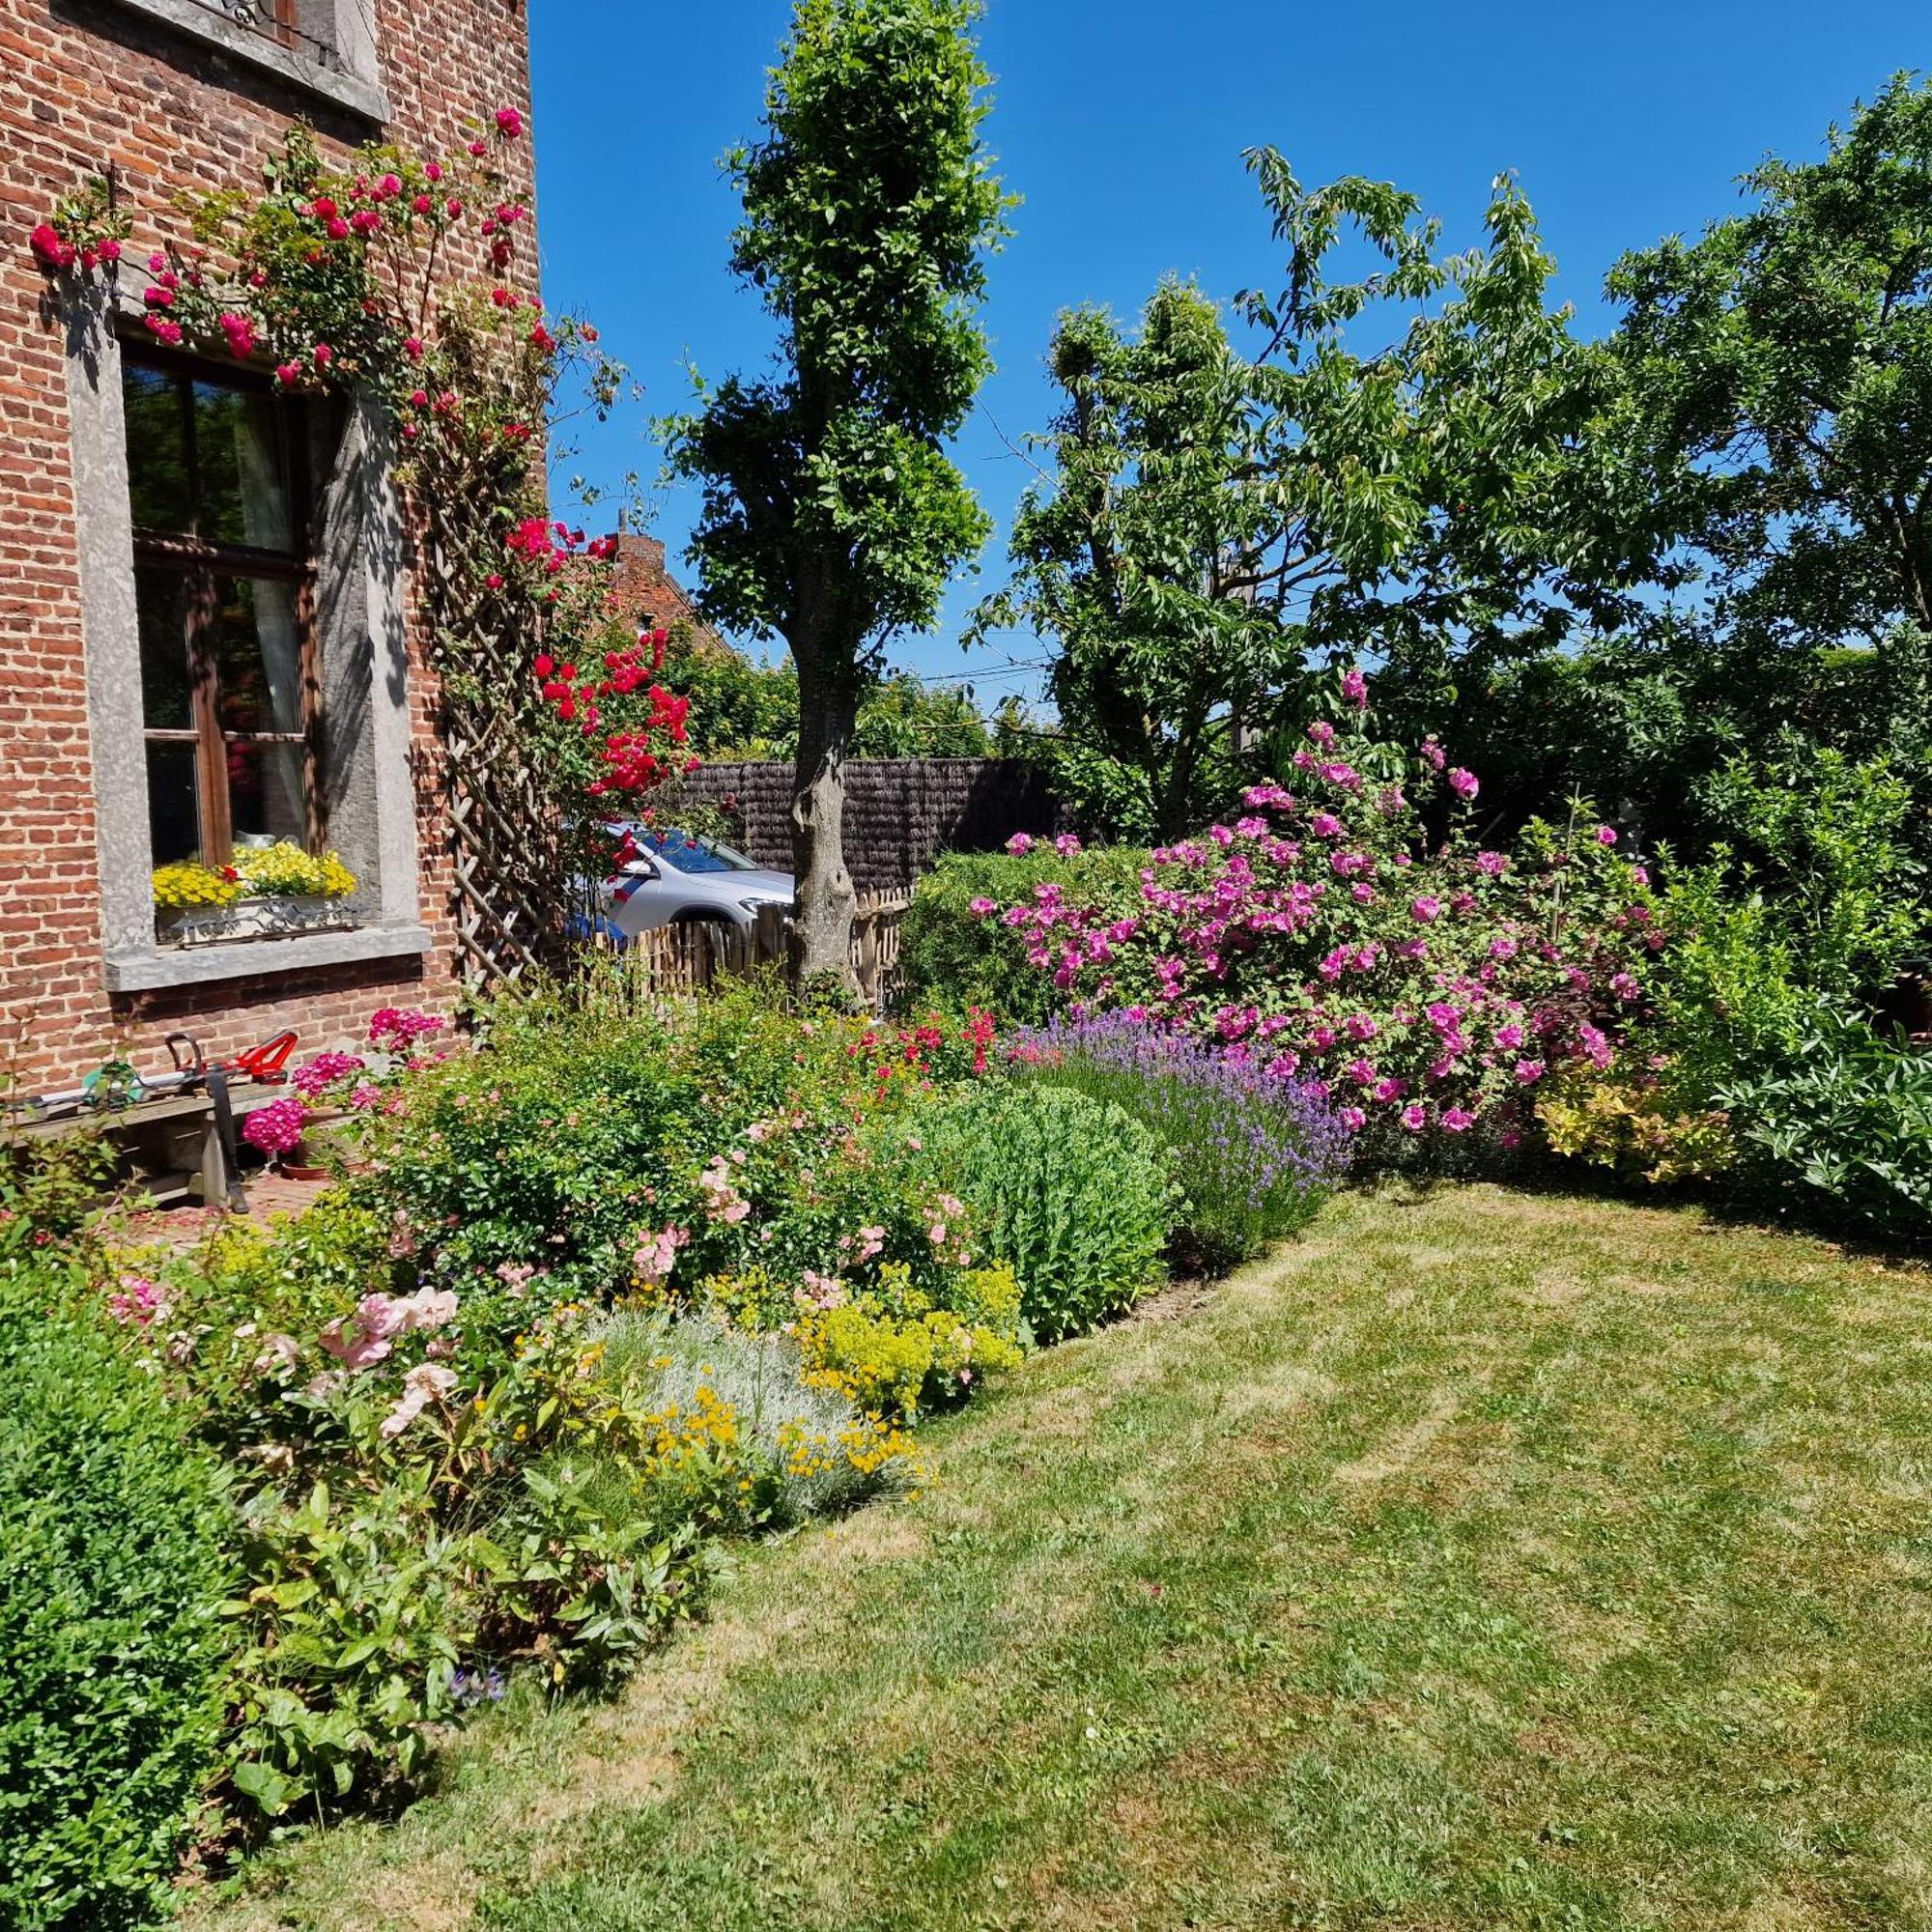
1255,1150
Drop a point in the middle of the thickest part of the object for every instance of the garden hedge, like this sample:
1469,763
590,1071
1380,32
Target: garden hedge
114,1531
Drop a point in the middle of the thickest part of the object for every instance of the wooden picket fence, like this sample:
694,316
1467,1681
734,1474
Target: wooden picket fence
674,961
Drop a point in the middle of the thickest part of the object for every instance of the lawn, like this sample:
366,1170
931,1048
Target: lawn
1483,1559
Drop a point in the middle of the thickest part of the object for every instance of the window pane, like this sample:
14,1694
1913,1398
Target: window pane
240,475
174,817
156,449
264,792
257,655
167,689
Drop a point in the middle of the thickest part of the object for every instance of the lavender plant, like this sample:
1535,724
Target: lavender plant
1255,1154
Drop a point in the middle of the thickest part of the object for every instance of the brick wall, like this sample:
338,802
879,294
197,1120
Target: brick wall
901,814
645,591
91,84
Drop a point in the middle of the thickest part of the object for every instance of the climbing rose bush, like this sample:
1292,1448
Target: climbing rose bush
1422,983
393,276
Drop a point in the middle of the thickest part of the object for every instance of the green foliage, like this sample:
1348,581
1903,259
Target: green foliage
1776,386
831,515
51,1191
1849,1115
1777,954
355,1617
746,709
904,717
1827,839
114,1560
1426,487
1073,1193
1405,468
949,950
541,1150
1139,563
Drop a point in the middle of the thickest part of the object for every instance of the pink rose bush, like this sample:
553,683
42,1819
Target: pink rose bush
277,1128
1334,937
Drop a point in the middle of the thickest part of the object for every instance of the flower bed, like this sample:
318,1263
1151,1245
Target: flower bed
593,1293
1422,984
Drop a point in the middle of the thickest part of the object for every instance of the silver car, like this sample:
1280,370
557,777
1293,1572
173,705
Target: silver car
677,879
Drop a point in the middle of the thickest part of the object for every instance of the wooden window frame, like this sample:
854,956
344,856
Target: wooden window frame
198,562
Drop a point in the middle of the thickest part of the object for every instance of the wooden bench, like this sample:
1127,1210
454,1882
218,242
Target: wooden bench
183,1126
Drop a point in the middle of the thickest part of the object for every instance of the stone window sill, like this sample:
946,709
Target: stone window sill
153,970
201,22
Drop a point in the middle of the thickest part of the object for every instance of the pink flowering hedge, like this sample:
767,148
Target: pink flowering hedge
1350,928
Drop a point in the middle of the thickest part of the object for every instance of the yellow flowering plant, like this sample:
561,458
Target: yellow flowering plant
892,1354
285,870
193,884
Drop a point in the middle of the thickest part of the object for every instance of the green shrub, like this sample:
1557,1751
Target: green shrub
1073,1193
543,1149
112,1574
954,954
1847,1117
1765,1012
1255,1155
1826,842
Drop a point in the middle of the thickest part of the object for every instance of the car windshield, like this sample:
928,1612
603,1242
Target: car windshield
689,854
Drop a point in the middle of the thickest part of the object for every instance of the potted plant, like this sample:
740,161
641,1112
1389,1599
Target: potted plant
265,891
276,1131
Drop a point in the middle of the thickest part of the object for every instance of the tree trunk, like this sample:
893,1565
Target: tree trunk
822,920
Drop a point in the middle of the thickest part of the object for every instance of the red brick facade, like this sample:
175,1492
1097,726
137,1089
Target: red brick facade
93,83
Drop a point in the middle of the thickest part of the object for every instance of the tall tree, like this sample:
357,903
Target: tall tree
1134,557
1777,388
1427,432
1401,469
831,517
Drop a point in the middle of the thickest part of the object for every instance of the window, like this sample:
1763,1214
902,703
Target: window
688,853
224,592
306,27
325,49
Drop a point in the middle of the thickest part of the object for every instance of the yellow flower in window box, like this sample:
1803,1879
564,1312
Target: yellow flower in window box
269,892
285,871
192,885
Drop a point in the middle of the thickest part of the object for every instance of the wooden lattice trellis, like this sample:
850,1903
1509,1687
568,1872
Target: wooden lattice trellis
508,843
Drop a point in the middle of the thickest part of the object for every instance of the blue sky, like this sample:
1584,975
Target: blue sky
1121,124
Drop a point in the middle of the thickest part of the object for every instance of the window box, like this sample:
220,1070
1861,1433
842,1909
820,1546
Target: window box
249,919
